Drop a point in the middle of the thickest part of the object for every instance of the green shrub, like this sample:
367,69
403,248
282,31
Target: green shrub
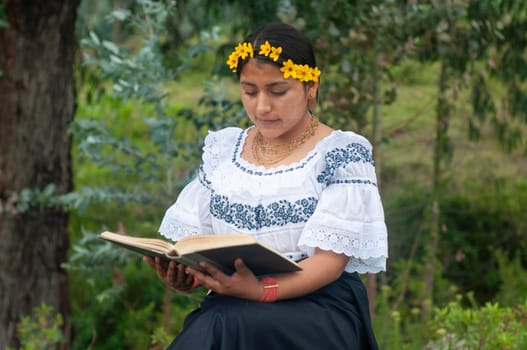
478,224
42,330
489,327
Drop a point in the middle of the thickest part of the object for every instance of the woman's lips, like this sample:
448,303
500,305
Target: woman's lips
268,122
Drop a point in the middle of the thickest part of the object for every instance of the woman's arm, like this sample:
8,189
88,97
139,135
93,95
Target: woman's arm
317,271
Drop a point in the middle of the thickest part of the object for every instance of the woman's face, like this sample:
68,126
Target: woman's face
276,106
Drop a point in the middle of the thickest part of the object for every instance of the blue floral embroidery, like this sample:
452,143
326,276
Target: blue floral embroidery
352,181
245,216
340,157
203,178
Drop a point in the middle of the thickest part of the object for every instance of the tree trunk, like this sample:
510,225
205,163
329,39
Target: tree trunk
37,102
442,119
371,279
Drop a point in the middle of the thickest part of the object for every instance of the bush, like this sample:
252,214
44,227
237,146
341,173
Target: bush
487,328
42,330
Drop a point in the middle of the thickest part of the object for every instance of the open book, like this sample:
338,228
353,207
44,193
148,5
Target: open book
219,250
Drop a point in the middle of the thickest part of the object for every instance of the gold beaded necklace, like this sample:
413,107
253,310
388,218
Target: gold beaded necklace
267,153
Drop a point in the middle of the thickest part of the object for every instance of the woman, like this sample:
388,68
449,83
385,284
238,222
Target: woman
295,184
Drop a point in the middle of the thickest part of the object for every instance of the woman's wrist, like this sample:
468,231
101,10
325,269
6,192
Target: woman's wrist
269,290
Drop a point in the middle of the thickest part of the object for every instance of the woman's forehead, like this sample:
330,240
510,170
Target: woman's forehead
261,72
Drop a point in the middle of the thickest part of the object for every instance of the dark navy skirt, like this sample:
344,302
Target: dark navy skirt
334,317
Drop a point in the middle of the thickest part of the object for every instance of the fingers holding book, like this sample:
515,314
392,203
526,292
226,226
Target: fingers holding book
242,283
172,274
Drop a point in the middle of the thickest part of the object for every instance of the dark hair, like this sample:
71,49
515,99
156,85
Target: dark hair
294,44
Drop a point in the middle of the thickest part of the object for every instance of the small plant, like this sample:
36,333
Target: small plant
486,328
40,331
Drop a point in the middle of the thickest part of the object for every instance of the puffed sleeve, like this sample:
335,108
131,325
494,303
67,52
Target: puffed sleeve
349,217
190,214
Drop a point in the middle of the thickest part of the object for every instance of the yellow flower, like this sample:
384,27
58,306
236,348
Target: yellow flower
275,53
233,61
265,48
250,50
288,68
312,74
244,50
304,73
301,72
316,73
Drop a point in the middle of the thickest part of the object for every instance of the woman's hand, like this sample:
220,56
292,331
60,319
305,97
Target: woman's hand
173,274
241,284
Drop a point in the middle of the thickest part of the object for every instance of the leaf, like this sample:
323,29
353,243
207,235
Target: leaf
110,46
95,38
116,59
120,14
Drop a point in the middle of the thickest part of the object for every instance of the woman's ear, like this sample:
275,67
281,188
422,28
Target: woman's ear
312,93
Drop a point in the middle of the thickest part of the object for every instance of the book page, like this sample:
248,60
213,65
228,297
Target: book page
196,243
153,244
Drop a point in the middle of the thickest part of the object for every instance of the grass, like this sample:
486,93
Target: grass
409,126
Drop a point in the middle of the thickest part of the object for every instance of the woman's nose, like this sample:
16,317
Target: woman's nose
263,104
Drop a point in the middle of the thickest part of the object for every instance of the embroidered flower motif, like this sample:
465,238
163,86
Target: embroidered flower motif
245,216
341,157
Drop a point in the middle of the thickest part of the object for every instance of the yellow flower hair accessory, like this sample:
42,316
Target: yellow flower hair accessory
304,73
242,50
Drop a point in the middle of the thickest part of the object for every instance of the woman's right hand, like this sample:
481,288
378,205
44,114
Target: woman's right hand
172,274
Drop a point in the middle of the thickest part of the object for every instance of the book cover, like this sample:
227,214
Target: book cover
218,250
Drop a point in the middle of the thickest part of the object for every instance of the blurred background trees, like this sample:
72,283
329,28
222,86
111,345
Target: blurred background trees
437,86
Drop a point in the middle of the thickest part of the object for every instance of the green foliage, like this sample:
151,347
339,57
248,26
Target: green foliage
513,277
40,331
487,328
453,326
135,149
134,74
357,43
477,229
161,336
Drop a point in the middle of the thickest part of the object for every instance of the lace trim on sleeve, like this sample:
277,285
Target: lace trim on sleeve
367,249
371,265
175,230
217,145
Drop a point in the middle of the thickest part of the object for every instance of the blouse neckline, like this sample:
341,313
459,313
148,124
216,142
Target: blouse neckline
256,169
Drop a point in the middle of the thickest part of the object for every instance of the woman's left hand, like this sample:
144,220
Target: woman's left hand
242,283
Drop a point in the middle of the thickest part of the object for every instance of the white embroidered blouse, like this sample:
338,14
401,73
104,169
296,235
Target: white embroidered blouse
328,200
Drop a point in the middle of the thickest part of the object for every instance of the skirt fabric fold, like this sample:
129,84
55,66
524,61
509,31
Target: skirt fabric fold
334,317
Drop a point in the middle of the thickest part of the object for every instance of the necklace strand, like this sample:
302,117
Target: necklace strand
267,153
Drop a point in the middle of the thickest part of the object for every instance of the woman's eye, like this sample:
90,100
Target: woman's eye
250,93
279,93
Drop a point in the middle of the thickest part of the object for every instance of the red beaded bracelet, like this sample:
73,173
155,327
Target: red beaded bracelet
270,290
